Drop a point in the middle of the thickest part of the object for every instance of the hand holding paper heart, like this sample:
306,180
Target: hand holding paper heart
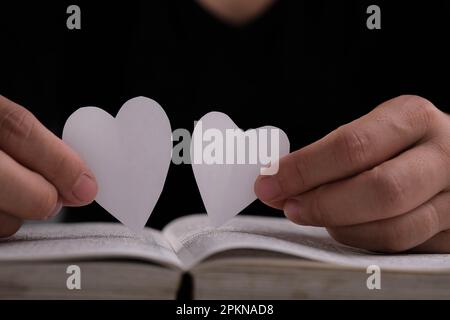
380,182
38,172
130,156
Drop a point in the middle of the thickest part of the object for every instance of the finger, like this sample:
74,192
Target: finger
9,225
24,193
399,233
360,145
26,140
440,243
390,189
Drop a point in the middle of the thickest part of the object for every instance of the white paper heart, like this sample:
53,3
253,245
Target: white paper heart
129,156
226,189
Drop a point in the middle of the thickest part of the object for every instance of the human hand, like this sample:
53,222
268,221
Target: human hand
39,173
380,182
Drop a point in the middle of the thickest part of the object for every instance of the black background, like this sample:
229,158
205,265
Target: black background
304,66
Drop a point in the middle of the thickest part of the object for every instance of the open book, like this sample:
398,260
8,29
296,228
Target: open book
249,257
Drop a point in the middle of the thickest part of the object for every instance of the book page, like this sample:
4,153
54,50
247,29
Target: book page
193,239
65,241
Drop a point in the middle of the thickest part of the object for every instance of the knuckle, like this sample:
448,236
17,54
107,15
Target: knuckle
431,223
353,145
420,102
16,122
419,111
389,192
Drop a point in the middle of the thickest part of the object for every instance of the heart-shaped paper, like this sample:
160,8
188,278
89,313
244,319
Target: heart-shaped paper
226,188
129,156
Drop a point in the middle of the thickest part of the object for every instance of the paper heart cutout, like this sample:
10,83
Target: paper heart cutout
226,189
129,156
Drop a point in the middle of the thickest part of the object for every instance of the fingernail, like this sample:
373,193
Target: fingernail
55,211
292,211
85,188
267,188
